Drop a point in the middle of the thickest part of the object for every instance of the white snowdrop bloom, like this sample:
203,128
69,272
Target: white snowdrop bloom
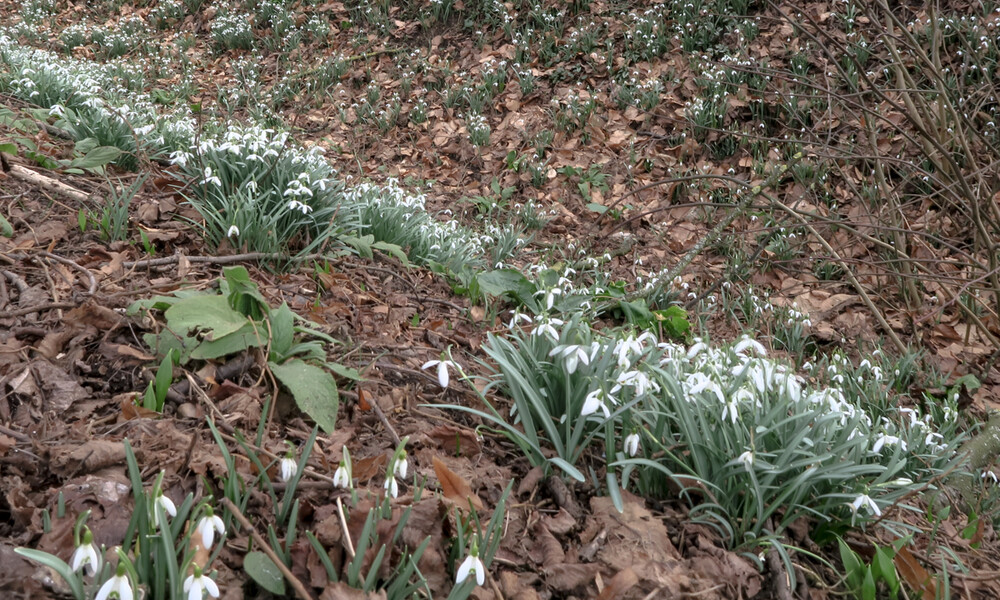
748,343
86,555
401,465
635,379
233,230
696,348
887,440
210,177
166,504
296,205
198,584
471,565
207,527
596,400
573,355
747,459
865,501
631,444
391,486
342,477
118,585
179,157
287,467
442,370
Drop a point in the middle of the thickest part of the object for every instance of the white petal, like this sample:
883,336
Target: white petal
443,373
463,570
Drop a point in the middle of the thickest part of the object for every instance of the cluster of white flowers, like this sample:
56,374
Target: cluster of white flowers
232,30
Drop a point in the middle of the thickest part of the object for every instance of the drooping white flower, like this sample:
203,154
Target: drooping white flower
593,402
342,477
890,440
207,526
865,501
211,178
287,467
391,486
471,564
198,584
233,230
747,459
400,466
632,444
118,585
748,343
86,554
442,370
166,504
573,355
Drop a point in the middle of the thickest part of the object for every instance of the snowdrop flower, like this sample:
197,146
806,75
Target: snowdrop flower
891,440
574,355
179,157
57,110
166,504
637,379
442,370
210,178
548,327
632,444
198,583
550,296
747,459
86,554
342,477
594,401
748,343
472,564
400,466
391,486
865,501
287,467
207,526
118,585
296,205
233,230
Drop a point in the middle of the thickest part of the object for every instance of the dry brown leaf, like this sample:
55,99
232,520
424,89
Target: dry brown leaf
567,578
454,487
619,584
914,574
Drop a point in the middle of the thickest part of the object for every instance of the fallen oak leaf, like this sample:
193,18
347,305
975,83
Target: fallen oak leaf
454,487
914,574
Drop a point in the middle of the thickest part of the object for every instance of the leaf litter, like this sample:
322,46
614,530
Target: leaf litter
64,374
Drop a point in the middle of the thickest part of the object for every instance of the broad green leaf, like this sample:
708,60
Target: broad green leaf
314,390
507,281
163,342
242,293
282,330
394,250
263,570
6,229
9,148
98,157
345,372
204,313
245,337
86,145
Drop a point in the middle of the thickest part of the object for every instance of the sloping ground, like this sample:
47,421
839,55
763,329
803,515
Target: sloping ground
571,147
